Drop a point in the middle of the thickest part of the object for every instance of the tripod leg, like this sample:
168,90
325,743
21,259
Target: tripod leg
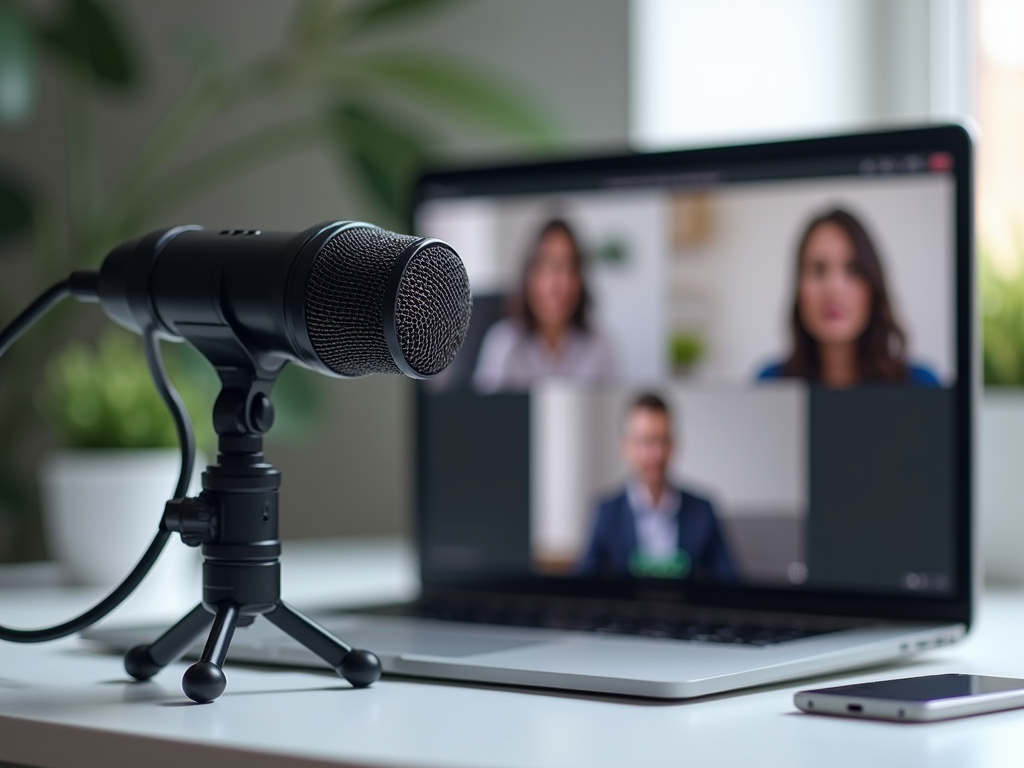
144,661
360,668
204,681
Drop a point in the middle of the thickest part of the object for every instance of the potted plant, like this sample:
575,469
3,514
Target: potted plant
104,491
686,350
1001,422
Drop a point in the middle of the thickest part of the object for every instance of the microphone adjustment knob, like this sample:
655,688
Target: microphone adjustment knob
193,518
261,413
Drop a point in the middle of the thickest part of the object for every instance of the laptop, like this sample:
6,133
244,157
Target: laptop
711,427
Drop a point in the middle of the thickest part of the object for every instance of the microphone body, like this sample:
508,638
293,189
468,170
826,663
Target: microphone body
342,298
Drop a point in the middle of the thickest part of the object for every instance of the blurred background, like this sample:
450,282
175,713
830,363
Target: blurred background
121,116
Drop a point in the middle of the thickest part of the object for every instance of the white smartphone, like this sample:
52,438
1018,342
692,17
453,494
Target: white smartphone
916,699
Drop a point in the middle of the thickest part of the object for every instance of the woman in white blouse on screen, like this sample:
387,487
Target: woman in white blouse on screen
548,333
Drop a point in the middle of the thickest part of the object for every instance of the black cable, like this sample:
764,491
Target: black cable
8,336
174,403
35,310
98,611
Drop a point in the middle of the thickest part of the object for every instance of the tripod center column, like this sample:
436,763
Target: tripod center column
241,562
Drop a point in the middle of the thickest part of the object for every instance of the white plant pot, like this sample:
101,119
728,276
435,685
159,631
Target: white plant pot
101,509
1000,519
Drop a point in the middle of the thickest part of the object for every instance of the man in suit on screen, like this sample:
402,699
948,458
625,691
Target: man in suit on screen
652,529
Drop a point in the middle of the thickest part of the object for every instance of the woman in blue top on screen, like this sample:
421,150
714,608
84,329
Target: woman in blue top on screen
844,329
549,332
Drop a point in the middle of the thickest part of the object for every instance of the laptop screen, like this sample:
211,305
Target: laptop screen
723,374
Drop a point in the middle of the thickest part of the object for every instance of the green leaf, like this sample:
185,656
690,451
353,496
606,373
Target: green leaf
15,208
371,16
316,20
103,396
1002,315
18,71
456,88
89,36
385,155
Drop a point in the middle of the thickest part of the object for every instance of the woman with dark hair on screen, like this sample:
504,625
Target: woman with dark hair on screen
548,332
844,329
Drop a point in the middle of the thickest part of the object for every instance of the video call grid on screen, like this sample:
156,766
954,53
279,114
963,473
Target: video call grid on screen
779,479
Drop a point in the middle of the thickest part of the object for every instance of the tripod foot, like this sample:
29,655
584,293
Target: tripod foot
203,682
144,661
361,668
139,664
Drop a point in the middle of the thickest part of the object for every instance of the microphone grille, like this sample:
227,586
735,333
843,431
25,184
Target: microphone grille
350,296
432,309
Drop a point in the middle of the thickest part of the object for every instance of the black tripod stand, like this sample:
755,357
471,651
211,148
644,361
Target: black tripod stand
235,521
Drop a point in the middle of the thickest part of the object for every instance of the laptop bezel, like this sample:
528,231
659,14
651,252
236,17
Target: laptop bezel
519,178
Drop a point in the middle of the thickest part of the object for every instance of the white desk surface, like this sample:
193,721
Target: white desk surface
62,705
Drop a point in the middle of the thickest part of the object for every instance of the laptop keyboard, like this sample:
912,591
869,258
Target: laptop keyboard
676,629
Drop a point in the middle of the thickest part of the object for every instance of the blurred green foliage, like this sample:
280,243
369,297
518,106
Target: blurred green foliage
102,396
380,106
686,350
1002,322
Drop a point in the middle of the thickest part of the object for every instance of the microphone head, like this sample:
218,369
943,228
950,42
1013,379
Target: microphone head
379,302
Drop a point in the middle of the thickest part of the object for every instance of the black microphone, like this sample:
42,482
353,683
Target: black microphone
343,298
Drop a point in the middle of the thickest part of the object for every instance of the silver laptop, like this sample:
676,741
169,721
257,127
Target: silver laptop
711,427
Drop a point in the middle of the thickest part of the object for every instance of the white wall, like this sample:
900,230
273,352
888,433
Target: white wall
711,72
561,486
714,72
